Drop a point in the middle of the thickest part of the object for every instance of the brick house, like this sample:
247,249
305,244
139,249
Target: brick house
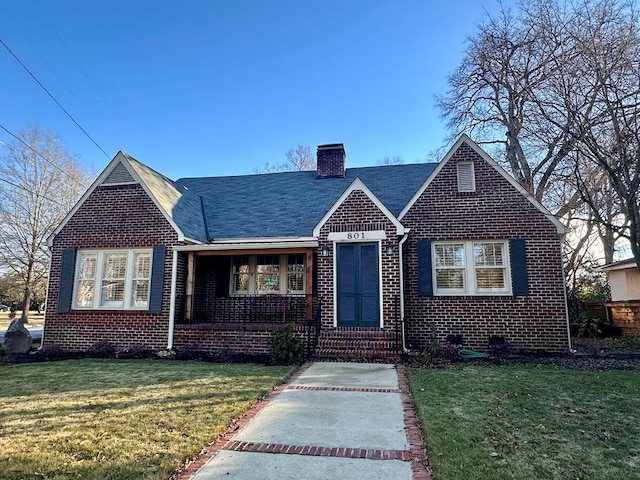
363,262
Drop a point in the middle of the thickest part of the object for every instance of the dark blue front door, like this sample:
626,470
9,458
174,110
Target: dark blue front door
358,285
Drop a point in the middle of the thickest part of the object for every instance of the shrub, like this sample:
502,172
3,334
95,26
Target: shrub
189,351
499,348
437,355
50,351
285,348
590,325
137,350
102,349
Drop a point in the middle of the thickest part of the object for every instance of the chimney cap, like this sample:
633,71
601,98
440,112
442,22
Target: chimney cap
331,146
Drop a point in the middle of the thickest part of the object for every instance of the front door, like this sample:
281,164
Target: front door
358,285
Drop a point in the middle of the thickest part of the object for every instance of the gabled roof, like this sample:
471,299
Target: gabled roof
621,265
290,204
176,204
474,146
358,184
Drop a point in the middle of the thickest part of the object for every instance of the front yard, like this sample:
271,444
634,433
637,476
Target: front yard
115,419
513,422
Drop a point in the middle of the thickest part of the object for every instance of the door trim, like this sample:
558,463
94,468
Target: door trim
335,281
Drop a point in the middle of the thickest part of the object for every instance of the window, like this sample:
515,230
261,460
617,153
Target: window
471,268
264,274
112,279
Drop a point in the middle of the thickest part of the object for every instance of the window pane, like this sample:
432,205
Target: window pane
142,265
240,271
113,277
140,293
488,254
450,255
85,292
113,293
490,278
295,273
450,278
268,274
88,265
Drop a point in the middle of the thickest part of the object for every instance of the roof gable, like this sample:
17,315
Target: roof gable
358,184
465,139
175,205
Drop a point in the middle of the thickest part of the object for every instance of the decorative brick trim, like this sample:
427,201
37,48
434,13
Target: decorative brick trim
416,453
191,467
417,450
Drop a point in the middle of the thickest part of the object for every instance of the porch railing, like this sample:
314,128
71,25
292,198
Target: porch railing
254,309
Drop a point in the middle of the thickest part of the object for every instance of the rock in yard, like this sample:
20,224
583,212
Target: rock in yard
17,339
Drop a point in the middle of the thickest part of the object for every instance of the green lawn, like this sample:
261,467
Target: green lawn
34,320
116,419
515,423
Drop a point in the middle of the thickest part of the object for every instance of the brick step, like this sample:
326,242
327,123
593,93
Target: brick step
357,344
338,355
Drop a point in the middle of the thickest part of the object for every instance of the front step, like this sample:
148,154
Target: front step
358,344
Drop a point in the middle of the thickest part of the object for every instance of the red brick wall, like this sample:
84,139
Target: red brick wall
358,213
111,217
495,211
252,339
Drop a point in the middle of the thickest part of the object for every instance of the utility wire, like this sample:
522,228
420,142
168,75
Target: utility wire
30,191
50,162
54,99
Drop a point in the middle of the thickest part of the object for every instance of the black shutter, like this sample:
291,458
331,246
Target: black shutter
519,278
157,279
67,272
425,276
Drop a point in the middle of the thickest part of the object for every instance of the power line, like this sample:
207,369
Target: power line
50,162
53,98
30,191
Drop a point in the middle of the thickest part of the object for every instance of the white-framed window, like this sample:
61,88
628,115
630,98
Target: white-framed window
471,268
269,273
112,279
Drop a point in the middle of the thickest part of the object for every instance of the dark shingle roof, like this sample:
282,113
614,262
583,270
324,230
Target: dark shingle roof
288,204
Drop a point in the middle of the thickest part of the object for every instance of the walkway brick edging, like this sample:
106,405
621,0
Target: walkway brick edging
417,448
224,439
415,455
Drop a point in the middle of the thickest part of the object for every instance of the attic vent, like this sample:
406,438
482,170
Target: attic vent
466,177
118,176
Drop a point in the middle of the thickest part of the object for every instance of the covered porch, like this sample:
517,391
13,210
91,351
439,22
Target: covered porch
236,295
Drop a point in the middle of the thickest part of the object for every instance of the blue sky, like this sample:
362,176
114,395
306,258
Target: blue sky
204,88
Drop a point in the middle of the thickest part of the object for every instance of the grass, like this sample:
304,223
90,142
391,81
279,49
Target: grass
503,423
116,419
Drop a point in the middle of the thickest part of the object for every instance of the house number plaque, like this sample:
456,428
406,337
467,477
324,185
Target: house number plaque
359,236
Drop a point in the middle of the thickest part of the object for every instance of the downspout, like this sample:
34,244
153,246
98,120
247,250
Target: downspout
404,239
172,305
46,298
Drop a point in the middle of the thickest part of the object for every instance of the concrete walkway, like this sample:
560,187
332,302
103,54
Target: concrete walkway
331,420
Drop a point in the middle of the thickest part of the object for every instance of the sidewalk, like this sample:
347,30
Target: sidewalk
331,420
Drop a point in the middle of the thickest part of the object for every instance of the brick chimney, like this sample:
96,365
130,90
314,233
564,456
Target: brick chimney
331,159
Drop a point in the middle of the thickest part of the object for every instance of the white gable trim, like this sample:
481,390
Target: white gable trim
358,184
119,158
474,146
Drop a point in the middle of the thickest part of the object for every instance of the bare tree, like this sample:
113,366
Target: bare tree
395,160
298,159
533,84
40,182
